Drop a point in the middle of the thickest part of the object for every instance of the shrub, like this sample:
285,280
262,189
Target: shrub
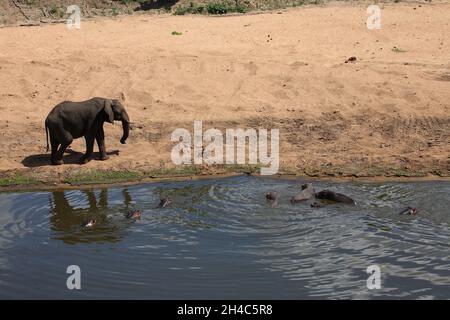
217,8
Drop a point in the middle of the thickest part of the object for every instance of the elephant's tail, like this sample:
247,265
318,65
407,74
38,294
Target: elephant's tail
46,134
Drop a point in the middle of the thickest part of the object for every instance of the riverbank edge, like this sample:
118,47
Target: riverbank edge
18,180
164,13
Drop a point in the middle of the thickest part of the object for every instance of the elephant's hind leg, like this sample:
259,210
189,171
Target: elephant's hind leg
55,146
54,143
66,141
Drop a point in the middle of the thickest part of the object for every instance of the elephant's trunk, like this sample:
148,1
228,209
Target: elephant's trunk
125,126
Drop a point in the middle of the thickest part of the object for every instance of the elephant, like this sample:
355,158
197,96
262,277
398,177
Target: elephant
71,120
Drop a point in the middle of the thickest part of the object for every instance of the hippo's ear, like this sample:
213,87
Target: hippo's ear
109,112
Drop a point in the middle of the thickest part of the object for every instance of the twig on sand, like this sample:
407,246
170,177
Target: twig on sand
53,21
30,24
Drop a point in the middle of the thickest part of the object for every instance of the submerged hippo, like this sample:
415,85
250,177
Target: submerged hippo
316,205
306,193
408,211
88,223
334,196
272,196
136,214
164,202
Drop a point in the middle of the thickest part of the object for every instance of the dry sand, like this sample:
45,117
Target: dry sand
387,113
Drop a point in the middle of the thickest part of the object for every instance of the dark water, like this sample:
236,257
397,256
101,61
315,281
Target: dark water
220,239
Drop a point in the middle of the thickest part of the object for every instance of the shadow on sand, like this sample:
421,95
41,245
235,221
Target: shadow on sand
70,157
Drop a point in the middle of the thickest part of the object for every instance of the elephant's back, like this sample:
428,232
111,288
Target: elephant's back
54,113
69,107
51,115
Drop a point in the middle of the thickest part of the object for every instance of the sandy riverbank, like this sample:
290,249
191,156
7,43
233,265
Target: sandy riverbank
387,114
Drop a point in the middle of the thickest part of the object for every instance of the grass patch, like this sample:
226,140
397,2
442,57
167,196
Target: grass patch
403,172
187,170
243,168
176,33
192,9
56,12
115,11
53,9
215,7
218,8
101,177
17,179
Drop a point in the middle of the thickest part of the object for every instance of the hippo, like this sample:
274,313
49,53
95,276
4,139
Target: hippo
408,211
164,202
272,196
306,193
136,214
316,205
334,196
88,223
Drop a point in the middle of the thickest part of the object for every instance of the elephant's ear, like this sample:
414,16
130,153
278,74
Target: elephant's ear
109,112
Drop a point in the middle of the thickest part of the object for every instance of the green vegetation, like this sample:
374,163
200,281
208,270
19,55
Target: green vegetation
17,179
99,177
192,8
219,7
243,168
114,8
187,170
403,172
176,33
215,7
94,176
56,12
114,11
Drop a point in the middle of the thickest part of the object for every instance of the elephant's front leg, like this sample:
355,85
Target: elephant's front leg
100,137
89,148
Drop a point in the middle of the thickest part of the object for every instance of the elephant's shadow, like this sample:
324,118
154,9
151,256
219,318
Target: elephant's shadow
70,157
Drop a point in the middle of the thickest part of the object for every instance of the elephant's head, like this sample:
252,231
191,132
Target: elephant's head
116,111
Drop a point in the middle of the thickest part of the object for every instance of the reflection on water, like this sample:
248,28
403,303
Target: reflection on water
222,239
66,218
